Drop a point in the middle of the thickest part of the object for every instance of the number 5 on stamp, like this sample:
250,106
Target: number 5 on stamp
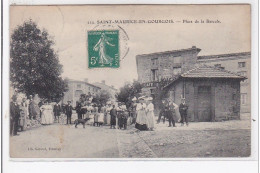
103,48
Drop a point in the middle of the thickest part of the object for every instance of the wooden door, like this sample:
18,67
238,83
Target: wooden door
204,103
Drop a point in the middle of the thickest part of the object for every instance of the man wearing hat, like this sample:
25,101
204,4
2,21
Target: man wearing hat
183,109
57,111
171,113
162,113
68,112
119,116
78,109
14,116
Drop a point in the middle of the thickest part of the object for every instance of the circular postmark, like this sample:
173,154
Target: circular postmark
107,46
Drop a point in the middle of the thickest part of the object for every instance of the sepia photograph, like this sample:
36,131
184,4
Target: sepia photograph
130,81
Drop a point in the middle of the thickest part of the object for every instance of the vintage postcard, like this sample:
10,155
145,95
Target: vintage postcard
130,81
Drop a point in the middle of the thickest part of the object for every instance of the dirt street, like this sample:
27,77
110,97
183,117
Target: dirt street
200,139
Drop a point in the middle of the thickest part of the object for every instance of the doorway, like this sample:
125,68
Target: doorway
204,103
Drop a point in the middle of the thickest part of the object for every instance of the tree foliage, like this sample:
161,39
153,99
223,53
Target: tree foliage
128,91
102,97
34,65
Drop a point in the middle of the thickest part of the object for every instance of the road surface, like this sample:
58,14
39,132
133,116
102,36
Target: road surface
200,139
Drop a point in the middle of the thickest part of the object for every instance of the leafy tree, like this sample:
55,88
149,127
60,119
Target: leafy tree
34,65
128,91
102,97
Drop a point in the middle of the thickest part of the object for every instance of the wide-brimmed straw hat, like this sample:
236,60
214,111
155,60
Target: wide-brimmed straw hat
141,98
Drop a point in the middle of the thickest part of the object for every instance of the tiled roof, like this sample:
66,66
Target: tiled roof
205,71
210,72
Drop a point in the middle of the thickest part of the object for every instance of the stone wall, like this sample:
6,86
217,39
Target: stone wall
225,97
230,63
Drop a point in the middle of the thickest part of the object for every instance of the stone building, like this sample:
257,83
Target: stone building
76,88
235,62
157,70
212,93
111,89
154,67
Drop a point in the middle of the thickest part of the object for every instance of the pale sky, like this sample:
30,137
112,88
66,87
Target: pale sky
68,27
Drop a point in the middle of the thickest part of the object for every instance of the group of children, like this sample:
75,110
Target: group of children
104,114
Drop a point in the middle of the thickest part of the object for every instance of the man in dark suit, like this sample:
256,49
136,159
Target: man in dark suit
171,114
78,110
68,111
113,114
57,111
183,109
162,113
14,116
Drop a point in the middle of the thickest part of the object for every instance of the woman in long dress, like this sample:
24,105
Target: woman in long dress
90,114
141,119
47,114
96,114
108,116
23,114
101,118
150,113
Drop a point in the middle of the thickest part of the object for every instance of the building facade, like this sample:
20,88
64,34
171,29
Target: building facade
212,94
76,88
235,62
157,70
110,89
152,68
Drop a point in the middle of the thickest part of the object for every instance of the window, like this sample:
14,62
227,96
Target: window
154,75
243,98
78,93
241,64
177,59
154,61
242,73
78,86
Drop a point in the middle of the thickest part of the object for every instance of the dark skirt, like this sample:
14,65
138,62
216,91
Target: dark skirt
120,122
113,121
140,127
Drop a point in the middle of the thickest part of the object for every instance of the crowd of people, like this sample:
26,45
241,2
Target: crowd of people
29,113
114,114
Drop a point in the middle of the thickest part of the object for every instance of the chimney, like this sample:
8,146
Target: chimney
86,80
103,82
193,47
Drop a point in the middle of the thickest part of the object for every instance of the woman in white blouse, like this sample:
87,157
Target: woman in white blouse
47,114
141,119
150,113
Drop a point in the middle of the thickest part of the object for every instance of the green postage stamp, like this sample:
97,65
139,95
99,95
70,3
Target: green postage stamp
103,48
